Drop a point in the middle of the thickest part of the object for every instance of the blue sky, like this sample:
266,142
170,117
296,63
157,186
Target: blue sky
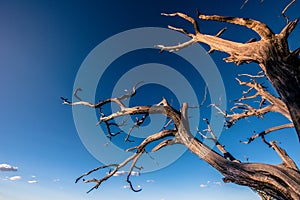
42,46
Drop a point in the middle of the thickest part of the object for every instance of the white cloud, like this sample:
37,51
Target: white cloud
150,181
56,180
217,183
120,173
32,181
126,186
15,178
210,183
133,173
7,167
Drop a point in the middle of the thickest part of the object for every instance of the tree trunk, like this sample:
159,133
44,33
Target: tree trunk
284,74
278,181
281,67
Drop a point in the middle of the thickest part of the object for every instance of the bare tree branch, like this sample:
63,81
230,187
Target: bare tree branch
277,105
176,47
245,2
284,156
259,75
239,52
110,174
220,147
133,165
164,143
285,9
288,28
137,124
265,132
186,17
101,103
280,66
260,28
271,52
243,173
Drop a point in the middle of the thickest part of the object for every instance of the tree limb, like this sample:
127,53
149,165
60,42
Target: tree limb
285,9
260,28
220,147
265,132
284,156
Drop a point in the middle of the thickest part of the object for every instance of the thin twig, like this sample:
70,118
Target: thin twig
265,132
285,9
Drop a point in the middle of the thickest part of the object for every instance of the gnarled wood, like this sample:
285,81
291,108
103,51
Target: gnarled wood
280,65
278,181
272,53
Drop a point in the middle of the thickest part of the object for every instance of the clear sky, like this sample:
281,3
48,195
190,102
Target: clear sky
42,46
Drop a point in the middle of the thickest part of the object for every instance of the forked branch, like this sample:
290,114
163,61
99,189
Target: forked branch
269,130
220,147
268,103
232,169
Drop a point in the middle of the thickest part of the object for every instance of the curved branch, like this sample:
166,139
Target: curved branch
260,28
285,9
286,31
137,124
131,169
284,156
277,105
110,174
186,17
164,143
101,103
239,52
220,147
176,47
154,137
265,132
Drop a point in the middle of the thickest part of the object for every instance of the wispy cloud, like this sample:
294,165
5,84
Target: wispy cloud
209,183
217,183
32,181
15,178
150,181
120,173
133,173
128,187
7,167
56,180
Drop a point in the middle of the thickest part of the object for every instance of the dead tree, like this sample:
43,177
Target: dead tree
279,181
279,65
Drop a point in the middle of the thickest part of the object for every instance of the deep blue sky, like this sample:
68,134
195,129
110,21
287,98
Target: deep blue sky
42,46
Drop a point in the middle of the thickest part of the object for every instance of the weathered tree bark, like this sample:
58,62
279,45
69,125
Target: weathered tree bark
280,66
278,181
272,53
